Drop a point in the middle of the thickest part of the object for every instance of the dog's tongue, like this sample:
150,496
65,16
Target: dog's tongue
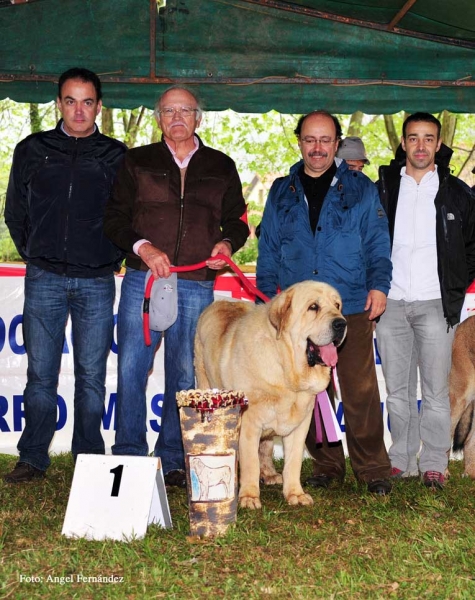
329,354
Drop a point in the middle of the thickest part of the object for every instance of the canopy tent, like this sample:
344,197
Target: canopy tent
380,56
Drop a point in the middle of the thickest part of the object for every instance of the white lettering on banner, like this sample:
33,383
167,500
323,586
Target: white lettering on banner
13,365
9,335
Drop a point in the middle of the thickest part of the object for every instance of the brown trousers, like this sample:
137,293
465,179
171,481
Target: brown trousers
362,410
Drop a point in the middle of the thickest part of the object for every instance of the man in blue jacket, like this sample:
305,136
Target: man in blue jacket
324,222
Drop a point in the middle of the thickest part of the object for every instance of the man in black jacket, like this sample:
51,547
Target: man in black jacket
432,227
59,183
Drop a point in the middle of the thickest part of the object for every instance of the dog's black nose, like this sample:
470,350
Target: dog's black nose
339,326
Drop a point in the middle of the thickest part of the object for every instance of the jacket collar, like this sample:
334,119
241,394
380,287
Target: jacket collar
59,130
200,142
442,158
341,165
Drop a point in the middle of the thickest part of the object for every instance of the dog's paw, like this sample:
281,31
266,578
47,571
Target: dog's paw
302,499
275,479
251,502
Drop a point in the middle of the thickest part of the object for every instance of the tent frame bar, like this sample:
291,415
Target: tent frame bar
153,32
9,3
312,12
400,15
244,81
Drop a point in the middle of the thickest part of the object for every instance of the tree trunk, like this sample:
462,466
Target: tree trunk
134,122
468,165
125,119
449,124
391,131
35,118
107,122
356,124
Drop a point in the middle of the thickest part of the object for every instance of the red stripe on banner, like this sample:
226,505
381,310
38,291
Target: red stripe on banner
12,271
224,283
232,283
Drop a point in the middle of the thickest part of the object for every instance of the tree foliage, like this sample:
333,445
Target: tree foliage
262,144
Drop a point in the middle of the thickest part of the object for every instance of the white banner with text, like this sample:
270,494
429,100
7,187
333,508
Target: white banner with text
13,365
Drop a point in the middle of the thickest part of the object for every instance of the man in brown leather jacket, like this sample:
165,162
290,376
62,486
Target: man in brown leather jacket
176,202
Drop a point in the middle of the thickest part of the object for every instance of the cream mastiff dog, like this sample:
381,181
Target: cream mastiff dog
280,355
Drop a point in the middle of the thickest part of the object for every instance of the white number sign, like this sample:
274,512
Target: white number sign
116,497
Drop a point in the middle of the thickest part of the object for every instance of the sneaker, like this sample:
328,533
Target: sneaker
411,474
396,473
175,478
433,479
23,472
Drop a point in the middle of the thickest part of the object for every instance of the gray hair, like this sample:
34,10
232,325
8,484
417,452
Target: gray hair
156,109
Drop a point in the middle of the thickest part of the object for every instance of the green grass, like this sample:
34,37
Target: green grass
414,543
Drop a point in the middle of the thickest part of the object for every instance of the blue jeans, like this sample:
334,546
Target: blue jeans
49,298
135,360
409,332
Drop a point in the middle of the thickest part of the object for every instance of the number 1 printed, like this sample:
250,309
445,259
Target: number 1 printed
117,471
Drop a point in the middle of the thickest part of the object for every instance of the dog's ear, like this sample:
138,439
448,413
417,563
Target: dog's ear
279,311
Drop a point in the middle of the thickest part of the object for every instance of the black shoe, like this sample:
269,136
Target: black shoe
23,472
380,487
175,478
319,481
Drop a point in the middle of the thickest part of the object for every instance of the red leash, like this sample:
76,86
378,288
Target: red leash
322,401
148,290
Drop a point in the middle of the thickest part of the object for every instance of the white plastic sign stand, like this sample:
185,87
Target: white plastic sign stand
116,497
